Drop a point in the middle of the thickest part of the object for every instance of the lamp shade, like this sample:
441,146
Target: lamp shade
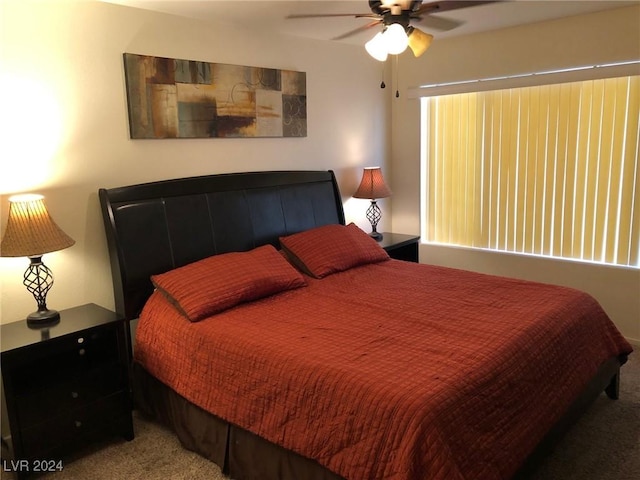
372,185
30,229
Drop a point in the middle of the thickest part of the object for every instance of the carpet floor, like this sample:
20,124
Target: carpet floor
603,445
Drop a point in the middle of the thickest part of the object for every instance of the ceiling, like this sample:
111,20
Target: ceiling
271,15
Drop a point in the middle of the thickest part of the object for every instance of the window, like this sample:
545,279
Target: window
549,169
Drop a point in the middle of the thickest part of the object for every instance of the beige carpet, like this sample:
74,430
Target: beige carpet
154,453
604,445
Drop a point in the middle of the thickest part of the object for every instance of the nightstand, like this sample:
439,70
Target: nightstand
65,386
400,246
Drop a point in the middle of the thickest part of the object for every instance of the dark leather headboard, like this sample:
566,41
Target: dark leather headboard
154,227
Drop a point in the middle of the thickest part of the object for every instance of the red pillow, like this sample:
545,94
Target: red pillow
329,249
209,286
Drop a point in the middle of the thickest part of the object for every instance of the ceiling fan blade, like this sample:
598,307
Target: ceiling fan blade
328,15
369,15
358,30
447,5
419,41
438,23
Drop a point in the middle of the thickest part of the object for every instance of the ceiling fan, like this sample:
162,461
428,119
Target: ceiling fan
396,16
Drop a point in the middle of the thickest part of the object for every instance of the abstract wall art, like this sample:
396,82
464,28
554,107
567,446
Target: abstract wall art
170,98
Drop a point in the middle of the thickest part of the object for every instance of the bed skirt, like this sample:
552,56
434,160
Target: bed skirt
243,455
239,453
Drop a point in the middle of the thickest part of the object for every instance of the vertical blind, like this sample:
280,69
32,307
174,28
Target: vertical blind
550,170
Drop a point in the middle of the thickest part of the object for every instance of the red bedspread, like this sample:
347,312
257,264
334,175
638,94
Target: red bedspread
390,371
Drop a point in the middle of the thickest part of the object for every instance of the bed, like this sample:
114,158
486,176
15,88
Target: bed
283,344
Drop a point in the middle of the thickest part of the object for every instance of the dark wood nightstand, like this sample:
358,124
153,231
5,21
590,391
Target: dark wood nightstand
400,246
65,386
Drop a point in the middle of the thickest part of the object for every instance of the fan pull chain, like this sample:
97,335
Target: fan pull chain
382,84
397,78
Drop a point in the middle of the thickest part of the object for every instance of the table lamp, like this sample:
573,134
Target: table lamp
372,187
31,232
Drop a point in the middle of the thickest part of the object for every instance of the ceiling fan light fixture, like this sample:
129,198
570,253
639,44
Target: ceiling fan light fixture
419,41
377,48
395,38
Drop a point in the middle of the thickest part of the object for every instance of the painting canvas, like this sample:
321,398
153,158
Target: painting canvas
171,98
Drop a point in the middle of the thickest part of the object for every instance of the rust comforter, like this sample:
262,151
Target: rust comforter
391,370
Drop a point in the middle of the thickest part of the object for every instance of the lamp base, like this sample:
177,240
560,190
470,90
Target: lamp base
43,318
374,215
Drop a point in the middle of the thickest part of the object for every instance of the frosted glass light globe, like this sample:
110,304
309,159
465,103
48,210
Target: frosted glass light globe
377,48
396,39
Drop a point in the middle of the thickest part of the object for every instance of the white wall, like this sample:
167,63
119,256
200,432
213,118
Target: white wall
65,128
575,41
